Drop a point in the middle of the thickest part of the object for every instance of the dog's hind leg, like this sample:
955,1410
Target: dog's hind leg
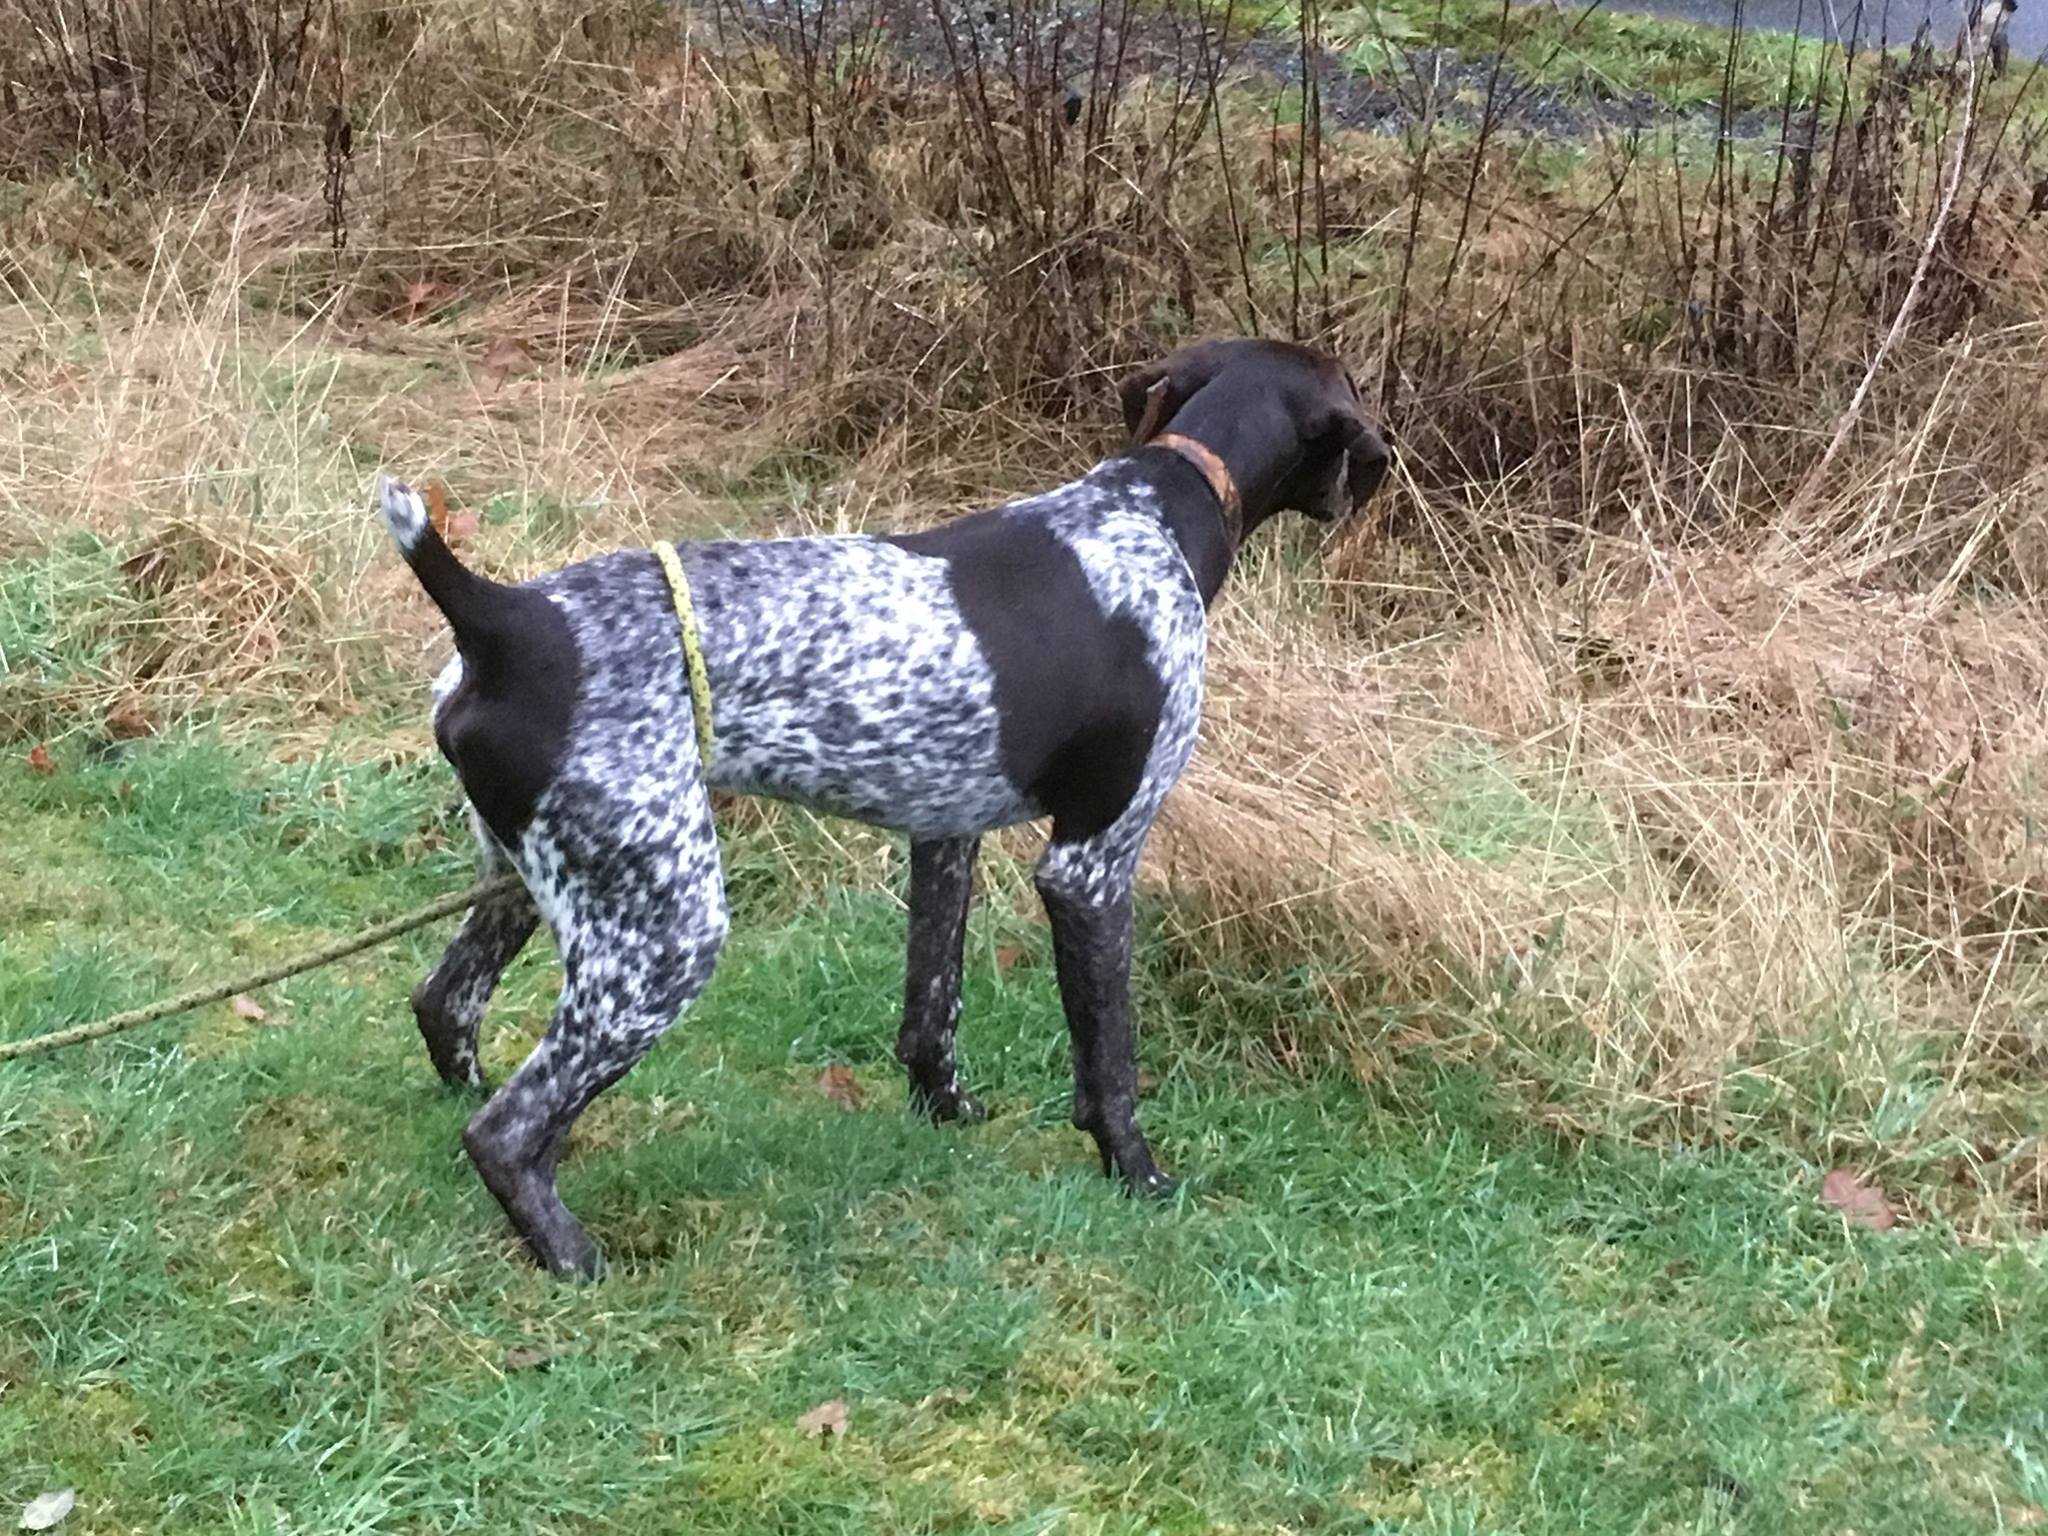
449,1003
941,883
639,914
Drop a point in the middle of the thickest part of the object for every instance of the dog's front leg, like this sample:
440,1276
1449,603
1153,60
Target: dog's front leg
941,883
1087,891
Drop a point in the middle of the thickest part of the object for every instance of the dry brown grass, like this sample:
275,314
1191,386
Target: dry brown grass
1578,752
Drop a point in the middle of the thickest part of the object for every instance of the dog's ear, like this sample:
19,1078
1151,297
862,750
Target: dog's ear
1154,395
1149,401
1366,458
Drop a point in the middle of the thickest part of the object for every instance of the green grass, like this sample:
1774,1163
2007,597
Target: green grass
247,1282
1598,51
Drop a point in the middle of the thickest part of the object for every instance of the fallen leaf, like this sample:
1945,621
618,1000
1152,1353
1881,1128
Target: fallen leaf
528,1358
128,721
1864,1204
503,356
451,525
838,1084
46,1510
420,298
1007,956
246,1007
1148,1082
40,761
825,1420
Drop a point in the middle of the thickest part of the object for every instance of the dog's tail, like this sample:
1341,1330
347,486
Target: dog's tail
479,610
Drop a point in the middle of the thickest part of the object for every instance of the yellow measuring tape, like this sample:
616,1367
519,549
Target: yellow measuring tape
693,647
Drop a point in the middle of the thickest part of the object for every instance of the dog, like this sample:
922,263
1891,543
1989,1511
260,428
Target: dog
1043,659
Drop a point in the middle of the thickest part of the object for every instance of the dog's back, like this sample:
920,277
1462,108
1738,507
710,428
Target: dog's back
1000,667
841,677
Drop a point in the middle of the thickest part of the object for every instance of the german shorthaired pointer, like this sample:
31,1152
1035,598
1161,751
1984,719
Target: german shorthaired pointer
1043,659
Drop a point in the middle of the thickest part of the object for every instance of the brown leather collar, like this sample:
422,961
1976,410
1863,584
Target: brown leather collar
1213,470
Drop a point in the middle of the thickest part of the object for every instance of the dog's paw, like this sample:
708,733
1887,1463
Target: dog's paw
460,1074
1134,1169
955,1108
575,1258
1154,1186
965,1109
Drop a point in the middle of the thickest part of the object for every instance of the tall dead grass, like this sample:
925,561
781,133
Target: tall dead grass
1589,748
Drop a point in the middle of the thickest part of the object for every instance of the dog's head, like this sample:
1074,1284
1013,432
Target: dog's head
1336,458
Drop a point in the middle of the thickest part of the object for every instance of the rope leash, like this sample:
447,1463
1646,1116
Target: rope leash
369,938
693,648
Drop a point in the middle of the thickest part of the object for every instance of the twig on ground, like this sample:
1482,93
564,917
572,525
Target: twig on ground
369,938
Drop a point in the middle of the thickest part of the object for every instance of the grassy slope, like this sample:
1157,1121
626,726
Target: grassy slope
247,1282
1584,48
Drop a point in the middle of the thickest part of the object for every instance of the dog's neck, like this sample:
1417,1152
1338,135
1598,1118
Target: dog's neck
1216,472
1251,448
